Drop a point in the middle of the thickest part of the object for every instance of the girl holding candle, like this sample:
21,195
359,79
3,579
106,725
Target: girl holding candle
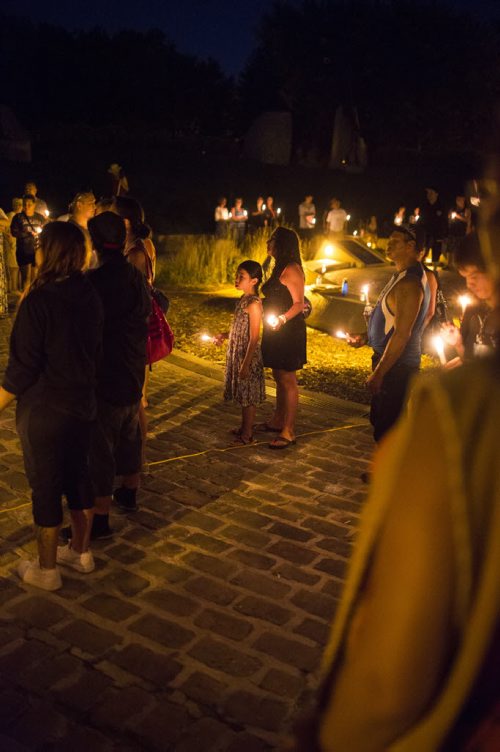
244,379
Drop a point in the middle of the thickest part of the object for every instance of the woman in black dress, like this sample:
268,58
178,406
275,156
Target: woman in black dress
284,336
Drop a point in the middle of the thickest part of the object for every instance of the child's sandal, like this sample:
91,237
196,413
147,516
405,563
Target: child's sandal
241,441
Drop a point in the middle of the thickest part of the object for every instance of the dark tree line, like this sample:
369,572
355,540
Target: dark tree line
131,78
421,76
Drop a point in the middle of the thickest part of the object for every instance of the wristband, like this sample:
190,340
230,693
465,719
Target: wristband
283,318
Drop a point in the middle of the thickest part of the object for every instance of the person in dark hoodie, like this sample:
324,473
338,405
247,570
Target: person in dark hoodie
116,444
54,350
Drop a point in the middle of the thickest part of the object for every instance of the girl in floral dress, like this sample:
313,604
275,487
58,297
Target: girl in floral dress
244,382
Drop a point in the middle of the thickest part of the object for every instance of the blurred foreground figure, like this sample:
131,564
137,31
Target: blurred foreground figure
413,660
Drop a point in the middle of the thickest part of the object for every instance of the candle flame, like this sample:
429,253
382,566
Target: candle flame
272,320
206,337
340,334
438,345
464,301
348,217
328,250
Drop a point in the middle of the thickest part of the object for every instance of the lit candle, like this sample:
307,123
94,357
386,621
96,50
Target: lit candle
453,215
364,293
355,232
245,213
263,207
369,244
416,217
313,221
438,343
278,211
206,338
464,301
38,230
348,217
398,220
46,212
272,320
328,250
230,215
323,269
340,334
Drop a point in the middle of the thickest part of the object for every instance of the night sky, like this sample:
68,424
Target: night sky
219,29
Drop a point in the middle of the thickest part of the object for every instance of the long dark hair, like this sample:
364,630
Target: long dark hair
286,251
129,208
63,251
255,271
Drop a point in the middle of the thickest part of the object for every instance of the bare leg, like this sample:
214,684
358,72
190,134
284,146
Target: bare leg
143,425
102,504
81,525
46,539
144,400
291,399
131,481
278,417
287,400
247,421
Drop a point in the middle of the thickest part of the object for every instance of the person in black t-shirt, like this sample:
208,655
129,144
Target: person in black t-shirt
116,443
54,349
26,228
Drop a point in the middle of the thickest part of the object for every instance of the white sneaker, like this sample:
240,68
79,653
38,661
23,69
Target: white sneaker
32,574
81,562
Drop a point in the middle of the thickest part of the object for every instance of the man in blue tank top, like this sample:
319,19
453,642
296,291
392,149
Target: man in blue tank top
395,332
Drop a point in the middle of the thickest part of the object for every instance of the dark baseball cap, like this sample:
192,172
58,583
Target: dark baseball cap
107,231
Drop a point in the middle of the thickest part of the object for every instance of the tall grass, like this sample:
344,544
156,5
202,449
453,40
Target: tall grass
207,261
203,260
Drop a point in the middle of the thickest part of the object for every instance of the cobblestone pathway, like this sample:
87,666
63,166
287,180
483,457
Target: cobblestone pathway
202,627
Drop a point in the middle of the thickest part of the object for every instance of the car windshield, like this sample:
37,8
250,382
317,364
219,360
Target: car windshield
362,253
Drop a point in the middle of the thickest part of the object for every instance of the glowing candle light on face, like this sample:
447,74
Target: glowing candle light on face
340,334
272,320
438,344
464,301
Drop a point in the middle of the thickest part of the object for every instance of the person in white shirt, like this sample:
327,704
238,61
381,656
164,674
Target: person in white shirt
336,219
221,217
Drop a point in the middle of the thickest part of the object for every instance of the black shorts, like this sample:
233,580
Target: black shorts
24,259
116,445
56,450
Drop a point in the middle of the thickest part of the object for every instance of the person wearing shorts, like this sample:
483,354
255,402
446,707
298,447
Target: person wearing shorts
54,349
116,444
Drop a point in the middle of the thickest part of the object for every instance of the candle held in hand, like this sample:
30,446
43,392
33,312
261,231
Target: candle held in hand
438,344
272,320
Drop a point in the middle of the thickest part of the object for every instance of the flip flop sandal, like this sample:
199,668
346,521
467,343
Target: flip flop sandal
266,427
284,443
